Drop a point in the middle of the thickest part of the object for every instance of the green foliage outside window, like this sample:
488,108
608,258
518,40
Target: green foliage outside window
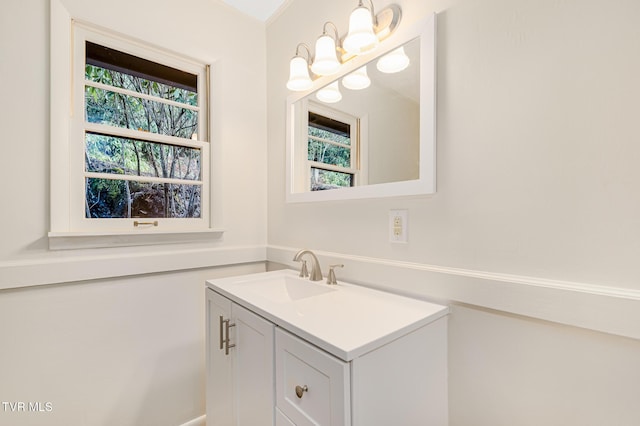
332,148
108,154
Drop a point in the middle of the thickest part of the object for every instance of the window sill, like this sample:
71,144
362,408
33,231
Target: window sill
84,240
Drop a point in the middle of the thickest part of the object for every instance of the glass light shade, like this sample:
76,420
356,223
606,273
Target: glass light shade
326,61
299,79
329,94
361,37
357,80
394,61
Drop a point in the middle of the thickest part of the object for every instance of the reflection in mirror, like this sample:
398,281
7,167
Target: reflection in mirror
330,151
366,133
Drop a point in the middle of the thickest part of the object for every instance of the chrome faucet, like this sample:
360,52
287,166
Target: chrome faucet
316,273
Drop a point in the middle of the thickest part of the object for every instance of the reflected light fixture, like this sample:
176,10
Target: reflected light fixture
299,79
326,60
394,61
329,94
357,80
361,37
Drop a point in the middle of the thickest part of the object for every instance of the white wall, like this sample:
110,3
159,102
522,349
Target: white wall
391,151
507,370
124,351
394,152
536,131
536,212
102,343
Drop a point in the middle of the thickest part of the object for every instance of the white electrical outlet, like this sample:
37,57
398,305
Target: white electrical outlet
398,222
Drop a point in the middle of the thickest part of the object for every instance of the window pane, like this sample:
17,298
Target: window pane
330,135
327,153
328,128
324,179
110,154
141,85
116,60
116,109
106,198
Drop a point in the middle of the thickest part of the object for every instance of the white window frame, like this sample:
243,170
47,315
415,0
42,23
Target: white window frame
68,125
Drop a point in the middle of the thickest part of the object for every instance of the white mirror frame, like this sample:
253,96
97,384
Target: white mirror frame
426,183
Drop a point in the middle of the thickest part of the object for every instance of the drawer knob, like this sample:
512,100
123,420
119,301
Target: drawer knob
300,390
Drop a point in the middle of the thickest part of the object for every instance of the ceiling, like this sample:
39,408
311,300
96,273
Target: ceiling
259,9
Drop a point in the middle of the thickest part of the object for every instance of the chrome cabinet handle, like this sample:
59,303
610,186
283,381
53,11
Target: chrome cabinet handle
300,390
225,325
221,333
137,223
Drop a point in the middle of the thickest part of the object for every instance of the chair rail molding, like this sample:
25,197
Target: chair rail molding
60,270
601,308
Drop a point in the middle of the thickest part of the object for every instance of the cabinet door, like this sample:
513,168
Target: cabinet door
219,365
239,383
253,337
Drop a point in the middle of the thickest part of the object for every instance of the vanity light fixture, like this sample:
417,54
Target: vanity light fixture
394,61
326,60
329,94
357,80
361,37
299,79
366,31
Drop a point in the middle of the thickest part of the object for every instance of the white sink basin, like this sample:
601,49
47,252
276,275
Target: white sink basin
346,320
283,289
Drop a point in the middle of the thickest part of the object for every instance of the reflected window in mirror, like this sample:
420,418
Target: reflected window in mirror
333,153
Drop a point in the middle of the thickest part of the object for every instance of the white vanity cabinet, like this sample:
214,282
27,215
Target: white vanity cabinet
239,365
303,356
401,383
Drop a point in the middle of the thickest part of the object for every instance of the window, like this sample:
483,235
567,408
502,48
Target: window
332,149
138,139
129,175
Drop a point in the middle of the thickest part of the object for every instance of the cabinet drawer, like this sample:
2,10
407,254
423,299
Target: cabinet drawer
312,387
282,420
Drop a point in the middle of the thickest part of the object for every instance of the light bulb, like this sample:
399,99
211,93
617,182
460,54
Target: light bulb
326,61
329,94
357,80
361,37
394,61
299,79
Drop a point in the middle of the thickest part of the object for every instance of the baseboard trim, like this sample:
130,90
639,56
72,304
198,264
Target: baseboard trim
601,308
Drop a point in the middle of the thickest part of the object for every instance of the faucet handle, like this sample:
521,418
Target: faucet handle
304,272
331,278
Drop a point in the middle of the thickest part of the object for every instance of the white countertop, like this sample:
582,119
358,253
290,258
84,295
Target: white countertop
346,321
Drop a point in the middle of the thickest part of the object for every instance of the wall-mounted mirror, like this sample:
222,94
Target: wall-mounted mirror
366,136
